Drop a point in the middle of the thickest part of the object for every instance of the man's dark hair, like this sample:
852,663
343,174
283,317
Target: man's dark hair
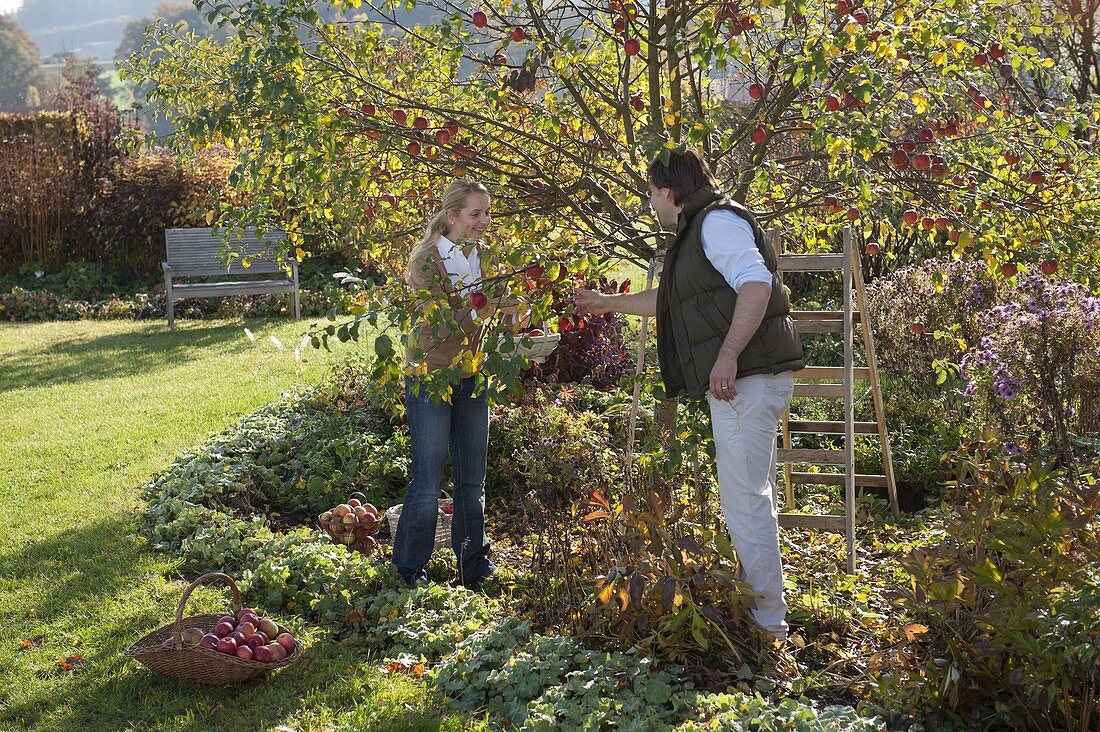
685,173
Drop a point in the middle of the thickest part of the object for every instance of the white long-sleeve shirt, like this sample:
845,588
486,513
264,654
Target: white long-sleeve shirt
730,246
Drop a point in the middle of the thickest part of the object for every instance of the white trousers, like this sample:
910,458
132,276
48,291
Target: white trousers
745,448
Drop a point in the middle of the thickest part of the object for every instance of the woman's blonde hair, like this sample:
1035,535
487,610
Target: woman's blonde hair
454,200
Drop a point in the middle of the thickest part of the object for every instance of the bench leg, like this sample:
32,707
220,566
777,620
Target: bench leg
171,311
297,306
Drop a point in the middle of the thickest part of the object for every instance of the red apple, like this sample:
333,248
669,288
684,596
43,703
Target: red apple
420,123
278,653
1006,71
268,627
1037,178
237,636
448,509
756,91
1049,267
368,109
900,159
910,217
758,135
637,103
223,629
227,646
244,652
632,46
261,654
916,327
832,104
535,332
518,34
873,248
480,20
1012,157
229,619
843,7
942,223
256,639
980,59
853,214
477,300
413,148
443,136
997,51
1009,269
928,223
209,641
921,161
830,204
862,18
286,640
400,116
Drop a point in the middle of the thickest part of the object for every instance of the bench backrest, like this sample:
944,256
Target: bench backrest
201,252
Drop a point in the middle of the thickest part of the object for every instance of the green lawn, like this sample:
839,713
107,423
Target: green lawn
89,412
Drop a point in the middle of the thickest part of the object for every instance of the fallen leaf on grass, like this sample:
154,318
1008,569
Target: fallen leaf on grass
34,642
70,662
399,667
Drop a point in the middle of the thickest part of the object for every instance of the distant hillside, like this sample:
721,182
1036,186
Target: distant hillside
95,27
85,27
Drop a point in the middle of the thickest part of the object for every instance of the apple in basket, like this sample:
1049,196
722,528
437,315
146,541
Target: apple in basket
228,646
192,636
269,628
259,638
448,508
261,654
209,641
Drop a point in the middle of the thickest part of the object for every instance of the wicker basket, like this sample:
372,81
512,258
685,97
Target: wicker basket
442,524
200,664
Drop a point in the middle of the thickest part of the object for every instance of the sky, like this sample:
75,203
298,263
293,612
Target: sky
10,6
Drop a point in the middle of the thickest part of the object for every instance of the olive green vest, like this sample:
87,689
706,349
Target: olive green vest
695,308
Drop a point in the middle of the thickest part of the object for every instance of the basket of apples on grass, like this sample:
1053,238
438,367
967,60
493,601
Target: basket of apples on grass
217,648
353,524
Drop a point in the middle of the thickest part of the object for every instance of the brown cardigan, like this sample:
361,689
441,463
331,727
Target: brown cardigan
440,351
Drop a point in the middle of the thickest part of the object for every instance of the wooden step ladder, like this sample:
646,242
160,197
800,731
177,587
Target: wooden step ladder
843,322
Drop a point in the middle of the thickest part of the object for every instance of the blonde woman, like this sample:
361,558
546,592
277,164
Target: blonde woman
450,261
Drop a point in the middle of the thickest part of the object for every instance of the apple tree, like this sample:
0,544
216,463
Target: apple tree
937,127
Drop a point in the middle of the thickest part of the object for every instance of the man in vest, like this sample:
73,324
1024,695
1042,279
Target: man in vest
724,332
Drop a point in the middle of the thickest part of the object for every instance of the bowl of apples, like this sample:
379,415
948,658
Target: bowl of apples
536,344
354,524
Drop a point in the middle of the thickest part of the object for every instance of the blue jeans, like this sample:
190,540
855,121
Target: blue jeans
462,429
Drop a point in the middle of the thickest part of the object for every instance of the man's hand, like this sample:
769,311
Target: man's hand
590,301
723,376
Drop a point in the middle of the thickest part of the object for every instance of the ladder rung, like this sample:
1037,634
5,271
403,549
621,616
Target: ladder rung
812,457
822,315
819,326
811,521
819,390
866,481
810,262
831,428
831,372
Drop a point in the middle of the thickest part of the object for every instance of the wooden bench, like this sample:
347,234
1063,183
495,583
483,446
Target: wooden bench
199,253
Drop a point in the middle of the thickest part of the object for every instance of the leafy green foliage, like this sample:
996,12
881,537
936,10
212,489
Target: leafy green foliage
739,711
540,682
1005,599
